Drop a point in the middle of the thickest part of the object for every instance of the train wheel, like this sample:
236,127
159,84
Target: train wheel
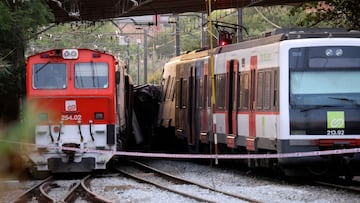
318,170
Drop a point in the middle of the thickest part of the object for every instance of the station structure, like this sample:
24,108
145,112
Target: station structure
93,10
134,10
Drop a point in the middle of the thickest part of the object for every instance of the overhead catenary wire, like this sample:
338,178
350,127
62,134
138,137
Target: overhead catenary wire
266,19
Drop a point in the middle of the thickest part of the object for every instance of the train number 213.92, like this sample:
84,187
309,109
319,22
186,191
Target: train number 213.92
335,132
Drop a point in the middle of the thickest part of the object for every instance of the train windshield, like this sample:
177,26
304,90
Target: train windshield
326,76
91,75
49,76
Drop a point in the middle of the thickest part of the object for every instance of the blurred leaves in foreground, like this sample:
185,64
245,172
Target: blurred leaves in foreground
15,144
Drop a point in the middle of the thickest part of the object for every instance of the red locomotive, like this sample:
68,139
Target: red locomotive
81,97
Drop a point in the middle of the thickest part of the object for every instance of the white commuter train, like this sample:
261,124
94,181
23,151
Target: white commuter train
291,91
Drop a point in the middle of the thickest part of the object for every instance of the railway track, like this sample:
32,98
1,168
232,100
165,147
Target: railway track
166,181
78,189
351,186
33,193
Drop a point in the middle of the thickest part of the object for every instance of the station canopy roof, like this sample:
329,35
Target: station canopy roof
94,10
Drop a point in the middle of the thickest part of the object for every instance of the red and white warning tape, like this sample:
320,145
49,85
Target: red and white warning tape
199,156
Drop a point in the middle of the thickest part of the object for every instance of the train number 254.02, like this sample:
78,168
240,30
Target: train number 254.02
73,117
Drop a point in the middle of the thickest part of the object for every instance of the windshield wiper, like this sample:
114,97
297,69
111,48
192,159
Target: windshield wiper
38,70
352,101
42,67
317,107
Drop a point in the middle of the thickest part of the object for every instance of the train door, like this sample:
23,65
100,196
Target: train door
232,78
250,140
184,103
179,106
201,122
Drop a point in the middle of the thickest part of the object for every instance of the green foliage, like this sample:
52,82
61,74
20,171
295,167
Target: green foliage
19,132
91,35
262,19
155,77
19,21
330,13
163,43
8,76
257,20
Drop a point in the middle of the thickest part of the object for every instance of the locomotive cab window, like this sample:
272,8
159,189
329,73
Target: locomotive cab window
49,76
91,75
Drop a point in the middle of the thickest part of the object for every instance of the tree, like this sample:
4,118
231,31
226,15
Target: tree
19,21
257,20
329,13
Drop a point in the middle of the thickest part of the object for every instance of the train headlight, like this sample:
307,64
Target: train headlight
329,52
334,52
339,52
70,53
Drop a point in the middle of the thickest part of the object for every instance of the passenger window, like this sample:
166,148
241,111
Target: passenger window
260,90
267,90
184,89
220,91
244,93
178,93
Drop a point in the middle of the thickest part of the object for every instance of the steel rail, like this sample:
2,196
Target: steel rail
341,185
44,190
81,189
138,178
34,191
195,183
172,178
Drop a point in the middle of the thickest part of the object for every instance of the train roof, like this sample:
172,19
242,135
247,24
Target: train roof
283,34
274,36
59,50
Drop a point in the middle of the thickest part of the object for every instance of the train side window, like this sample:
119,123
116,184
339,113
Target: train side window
244,91
276,90
168,88
200,89
184,92
267,90
172,87
178,93
206,92
238,91
260,91
220,91
165,88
